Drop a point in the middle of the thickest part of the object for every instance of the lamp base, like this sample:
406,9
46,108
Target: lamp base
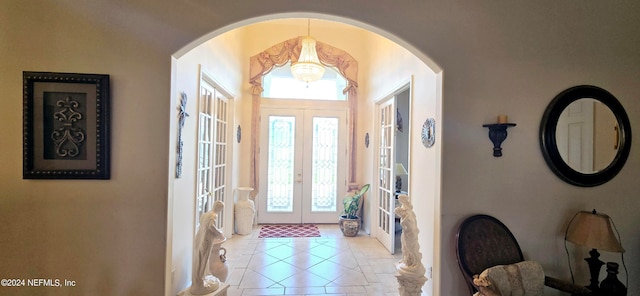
595,265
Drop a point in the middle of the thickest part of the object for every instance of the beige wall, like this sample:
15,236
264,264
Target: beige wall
389,67
107,235
221,59
501,57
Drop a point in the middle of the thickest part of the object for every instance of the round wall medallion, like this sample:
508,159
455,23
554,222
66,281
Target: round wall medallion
429,132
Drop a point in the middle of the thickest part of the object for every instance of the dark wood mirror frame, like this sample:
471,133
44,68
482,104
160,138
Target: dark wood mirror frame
548,136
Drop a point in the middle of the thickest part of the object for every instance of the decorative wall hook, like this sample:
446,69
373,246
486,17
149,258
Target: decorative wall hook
497,134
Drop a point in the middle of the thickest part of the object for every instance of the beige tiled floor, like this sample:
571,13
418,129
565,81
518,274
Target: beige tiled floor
327,265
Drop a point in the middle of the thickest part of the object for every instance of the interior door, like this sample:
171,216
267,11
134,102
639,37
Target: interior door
384,228
302,165
574,135
213,134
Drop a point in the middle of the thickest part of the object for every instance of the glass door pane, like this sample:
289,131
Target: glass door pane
281,163
385,227
219,157
324,165
212,155
204,168
324,184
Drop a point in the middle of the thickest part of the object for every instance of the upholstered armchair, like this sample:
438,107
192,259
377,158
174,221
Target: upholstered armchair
484,242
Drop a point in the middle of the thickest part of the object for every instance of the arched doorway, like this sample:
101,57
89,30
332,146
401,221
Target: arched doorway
376,87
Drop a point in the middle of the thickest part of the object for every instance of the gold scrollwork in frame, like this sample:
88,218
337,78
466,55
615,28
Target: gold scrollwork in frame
66,126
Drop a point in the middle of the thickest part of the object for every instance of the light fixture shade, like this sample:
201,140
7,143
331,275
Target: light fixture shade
593,230
400,170
308,67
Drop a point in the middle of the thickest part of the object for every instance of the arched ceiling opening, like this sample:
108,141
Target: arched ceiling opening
353,37
338,22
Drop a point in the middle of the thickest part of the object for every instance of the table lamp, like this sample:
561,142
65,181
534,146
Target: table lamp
593,230
400,171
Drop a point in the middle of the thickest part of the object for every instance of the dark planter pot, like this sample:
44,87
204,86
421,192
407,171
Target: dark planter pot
349,227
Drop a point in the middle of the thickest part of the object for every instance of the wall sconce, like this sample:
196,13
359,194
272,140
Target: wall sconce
498,133
593,230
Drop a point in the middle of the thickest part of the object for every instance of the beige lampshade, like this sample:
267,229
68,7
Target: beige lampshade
593,230
308,67
400,170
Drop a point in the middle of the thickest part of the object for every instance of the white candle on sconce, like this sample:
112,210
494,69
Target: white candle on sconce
503,119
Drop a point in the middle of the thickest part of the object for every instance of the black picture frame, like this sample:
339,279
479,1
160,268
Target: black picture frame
66,126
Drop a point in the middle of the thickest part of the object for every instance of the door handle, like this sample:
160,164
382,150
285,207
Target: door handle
298,178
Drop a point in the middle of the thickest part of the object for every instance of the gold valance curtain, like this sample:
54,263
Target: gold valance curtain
278,55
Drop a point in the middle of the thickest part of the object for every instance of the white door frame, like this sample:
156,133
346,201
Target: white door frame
309,215
302,212
227,220
294,215
383,228
383,195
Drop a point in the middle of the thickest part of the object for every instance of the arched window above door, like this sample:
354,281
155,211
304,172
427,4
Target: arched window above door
279,83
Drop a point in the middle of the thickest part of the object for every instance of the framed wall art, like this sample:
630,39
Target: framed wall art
66,126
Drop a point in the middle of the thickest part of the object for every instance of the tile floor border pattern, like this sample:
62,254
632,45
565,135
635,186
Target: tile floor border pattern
327,265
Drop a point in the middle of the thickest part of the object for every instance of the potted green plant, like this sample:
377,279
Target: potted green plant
349,219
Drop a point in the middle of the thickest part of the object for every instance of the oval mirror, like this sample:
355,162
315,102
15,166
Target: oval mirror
585,136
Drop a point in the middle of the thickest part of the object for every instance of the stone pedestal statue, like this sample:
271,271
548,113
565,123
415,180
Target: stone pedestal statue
410,269
202,283
245,211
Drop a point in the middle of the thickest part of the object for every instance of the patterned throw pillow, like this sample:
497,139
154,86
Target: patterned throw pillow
520,279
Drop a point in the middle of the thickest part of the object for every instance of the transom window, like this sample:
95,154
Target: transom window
280,84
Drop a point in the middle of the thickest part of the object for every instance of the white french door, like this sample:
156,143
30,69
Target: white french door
213,155
384,229
302,165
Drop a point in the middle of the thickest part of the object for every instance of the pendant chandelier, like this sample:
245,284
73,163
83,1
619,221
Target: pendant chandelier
308,67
